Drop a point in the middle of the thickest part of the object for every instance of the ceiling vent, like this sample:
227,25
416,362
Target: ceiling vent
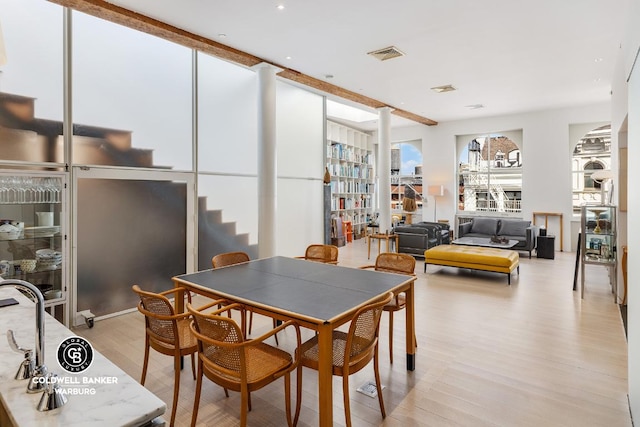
444,88
474,106
386,53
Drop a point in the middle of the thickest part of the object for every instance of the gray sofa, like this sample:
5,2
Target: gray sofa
512,229
416,238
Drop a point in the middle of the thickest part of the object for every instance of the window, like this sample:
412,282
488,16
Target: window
406,176
591,153
590,183
490,173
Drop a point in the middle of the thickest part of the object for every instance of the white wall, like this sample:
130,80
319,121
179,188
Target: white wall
300,163
626,111
634,254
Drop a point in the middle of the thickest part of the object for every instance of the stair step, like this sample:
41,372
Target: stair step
20,107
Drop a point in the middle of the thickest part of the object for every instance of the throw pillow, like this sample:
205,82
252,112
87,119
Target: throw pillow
488,226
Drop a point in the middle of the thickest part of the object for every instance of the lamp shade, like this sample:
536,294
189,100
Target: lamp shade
602,174
3,52
436,190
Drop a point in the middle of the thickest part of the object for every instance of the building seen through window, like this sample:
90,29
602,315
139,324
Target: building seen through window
490,175
590,154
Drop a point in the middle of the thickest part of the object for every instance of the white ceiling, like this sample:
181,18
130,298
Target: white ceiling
511,56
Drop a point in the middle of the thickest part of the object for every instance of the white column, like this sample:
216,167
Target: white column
384,168
267,160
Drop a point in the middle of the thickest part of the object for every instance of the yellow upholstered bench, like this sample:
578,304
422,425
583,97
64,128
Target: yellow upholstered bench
474,258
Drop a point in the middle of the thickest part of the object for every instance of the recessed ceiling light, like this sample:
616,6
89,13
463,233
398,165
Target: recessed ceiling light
443,88
328,76
597,80
222,35
598,60
474,106
288,57
280,7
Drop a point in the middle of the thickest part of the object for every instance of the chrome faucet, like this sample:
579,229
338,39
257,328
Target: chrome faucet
40,380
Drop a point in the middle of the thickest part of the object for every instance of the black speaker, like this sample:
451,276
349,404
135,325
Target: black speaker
543,231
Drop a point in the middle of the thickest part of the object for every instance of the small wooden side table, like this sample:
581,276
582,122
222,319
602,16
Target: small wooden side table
546,216
381,237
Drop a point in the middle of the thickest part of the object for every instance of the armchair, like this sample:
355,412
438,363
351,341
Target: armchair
414,239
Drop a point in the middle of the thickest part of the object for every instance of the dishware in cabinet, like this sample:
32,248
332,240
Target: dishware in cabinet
32,234
598,242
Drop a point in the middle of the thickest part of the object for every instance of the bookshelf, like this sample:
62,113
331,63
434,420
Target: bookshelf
350,163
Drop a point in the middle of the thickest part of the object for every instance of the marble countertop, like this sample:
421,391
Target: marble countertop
105,394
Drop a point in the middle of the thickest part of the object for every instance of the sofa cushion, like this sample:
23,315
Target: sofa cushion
513,227
487,226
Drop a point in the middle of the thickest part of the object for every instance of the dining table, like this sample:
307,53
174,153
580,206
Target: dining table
318,296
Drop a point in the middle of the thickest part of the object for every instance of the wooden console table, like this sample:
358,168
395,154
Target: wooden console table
546,216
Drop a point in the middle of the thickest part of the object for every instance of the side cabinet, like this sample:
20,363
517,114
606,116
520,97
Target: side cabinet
32,235
598,242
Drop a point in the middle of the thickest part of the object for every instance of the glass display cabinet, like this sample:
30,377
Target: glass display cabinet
598,241
32,235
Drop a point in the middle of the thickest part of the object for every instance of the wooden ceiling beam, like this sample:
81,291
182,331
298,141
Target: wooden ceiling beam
117,14
414,117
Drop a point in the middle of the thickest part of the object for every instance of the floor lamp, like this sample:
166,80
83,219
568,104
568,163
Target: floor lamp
435,191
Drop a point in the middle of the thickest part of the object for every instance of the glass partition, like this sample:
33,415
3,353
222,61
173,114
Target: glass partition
132,102
227,117
129,232
227,217
31,83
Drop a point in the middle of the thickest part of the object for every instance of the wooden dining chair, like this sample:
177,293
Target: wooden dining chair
391,262
167,332
352,350
242,366
232,258
229,258
327,254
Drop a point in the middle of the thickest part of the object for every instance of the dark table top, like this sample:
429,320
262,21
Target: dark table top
319,291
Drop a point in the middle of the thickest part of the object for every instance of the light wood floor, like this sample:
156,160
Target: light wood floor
529,354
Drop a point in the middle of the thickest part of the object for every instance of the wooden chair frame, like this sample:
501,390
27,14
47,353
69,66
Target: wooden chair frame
327,254
163,343
384,263
228,378
357,352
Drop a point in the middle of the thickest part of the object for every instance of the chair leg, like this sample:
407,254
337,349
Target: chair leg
391,337
146,360
193,365
243,322
275,325
176,387
244,404
298,394
378,385
345,395
287,398
250,321
196,402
